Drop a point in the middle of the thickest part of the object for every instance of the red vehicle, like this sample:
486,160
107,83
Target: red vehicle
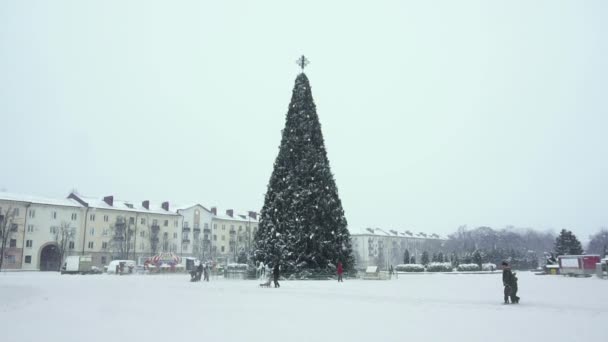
578,265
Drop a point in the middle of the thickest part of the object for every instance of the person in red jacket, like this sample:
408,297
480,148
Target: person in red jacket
340,271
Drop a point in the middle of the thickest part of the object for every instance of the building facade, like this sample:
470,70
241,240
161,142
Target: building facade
43,231
377,247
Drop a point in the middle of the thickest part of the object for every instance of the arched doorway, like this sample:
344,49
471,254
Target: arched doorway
50,259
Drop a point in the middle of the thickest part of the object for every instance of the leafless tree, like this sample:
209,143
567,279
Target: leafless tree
122,237
7,229
64,234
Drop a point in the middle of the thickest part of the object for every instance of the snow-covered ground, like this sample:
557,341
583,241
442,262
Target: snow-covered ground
416,307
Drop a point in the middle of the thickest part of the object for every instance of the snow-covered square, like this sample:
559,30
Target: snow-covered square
414,307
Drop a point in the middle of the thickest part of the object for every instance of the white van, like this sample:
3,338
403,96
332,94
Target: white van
75,264
121,267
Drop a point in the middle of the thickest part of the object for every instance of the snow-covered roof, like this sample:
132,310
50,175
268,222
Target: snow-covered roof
178,207
395,233
67,202
237,216
132,206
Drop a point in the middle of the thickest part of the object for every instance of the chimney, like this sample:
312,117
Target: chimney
146,204
214,211
109,200
230,212
165,206
253,215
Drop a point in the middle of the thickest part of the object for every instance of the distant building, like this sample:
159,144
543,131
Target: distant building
378,247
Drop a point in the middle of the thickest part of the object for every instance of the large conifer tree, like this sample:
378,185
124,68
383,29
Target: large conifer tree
567,244
302,224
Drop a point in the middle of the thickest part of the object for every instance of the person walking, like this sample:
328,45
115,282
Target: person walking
206,273
507,279
276,274
340,270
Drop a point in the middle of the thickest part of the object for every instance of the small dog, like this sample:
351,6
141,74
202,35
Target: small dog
266,284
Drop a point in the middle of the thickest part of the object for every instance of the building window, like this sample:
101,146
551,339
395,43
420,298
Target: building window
71,245
175,235
155,222
206,226
143,221
214,237
92,231
30,228
104,232
131,220
10,259
92,217
223,227
54,215
104,245
141,246
14,227
28,243
223,238
222,249
103,260
105,218
74,216
16,212
28,259
90,244
32,213
12,243
166,223
240,228
53,230
231,227
142,233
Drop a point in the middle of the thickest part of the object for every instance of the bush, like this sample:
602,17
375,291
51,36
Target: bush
237,267
488,267
410,268
439,267
468,267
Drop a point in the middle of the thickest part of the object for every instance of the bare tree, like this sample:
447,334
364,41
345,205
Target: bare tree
7,229
153,233
64,234
122,237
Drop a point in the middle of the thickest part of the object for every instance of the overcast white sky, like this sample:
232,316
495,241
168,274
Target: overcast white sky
435,113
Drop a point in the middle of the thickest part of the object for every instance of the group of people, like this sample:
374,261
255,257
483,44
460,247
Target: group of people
201,271
509,281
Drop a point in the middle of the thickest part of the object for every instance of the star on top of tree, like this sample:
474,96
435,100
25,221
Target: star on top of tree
302,62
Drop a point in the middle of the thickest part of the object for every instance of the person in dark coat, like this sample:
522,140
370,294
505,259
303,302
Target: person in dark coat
340,270
276,274
513,294
206,273
507,279
199,271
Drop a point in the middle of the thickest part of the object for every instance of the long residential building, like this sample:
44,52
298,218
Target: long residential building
379,247
41,230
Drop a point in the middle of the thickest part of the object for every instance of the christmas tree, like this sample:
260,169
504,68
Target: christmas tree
302,224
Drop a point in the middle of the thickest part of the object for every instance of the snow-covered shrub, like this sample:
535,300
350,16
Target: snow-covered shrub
236,267
409,268
439,267
488,267
468,267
